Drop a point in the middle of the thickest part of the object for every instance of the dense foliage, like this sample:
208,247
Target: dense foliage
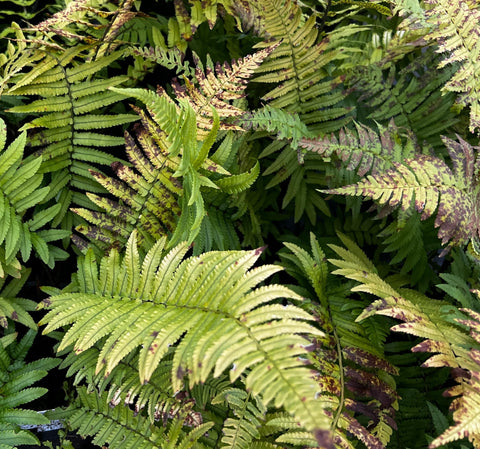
241,224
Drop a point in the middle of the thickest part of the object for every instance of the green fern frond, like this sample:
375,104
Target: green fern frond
241,430
457,35
67,128
21,191
17,376
283,124
193,299
406,241
120,427
427,183
299,65
408,96
172,193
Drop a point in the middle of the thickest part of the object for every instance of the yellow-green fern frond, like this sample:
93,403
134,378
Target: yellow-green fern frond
165,301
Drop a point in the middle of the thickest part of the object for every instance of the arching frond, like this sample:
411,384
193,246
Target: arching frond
164,301
427,183
436,322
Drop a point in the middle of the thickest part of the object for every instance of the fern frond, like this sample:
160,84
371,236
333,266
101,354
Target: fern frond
17,376
185,304
456,32
406,241
363,150
21,191
68,130
240,431
120,427
466,405
409,97
435,322
167,191
217,87
349,368
427,183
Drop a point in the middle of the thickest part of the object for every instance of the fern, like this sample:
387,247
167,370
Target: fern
17,376
299,65
428,183
215,296
433,321
408,96
241,430
156,198
350,368
21,191
69,133
456,32
119,426
217,87
363,150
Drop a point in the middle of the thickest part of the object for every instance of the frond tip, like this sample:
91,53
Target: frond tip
208,308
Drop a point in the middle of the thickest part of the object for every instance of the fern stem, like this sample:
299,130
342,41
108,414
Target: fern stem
342,379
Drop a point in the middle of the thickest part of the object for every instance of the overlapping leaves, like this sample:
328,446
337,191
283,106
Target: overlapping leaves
428,184
208,307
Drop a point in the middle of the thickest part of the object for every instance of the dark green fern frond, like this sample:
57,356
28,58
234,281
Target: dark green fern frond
427,183
457,35
406,242
17,378
409,96
13,307
167,301
303,179
21,190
